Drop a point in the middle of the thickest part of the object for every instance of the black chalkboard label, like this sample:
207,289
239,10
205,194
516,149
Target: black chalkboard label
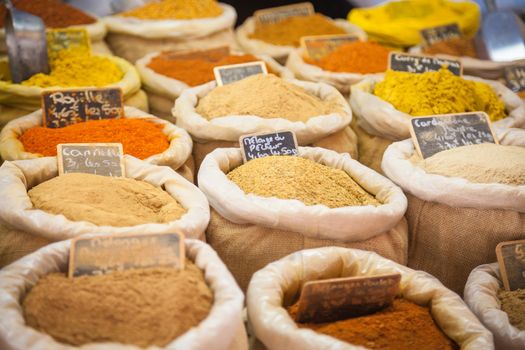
511,260
340,298
403,62
515,78
437,133
440,33
281,143
103,254
66,38
234,72
280,13
318,46
91,158
65,107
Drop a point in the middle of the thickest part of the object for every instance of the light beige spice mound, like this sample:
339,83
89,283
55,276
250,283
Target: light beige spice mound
289,177
104,200
484,163
142,307
266,96
513,303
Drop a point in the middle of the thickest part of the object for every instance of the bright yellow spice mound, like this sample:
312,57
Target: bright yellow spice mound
289,177
439,92
77,68
176,9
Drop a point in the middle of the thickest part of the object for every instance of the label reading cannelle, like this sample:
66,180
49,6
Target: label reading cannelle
440,33
225,75
403,62
65,107
437,133
340,298
103,254
277,14
515,78
67,38
318,46
91,158
282,143
511,260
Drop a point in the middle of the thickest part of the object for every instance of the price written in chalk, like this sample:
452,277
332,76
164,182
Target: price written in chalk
283,143
438,133
91,158
318,46
511,260
340,298
403,62
65,107
441,33
280,13
60,39
102,254
515,78
234,72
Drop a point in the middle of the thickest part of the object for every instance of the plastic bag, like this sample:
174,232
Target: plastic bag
221,329
280,284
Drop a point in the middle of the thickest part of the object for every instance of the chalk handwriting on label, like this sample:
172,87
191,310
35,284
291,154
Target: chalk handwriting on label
420,64
511,260
234,72
196,55
65,107
281,143
280,13
515,78
102,254
437,133
91,158
318,46
440,33
341,298
60,39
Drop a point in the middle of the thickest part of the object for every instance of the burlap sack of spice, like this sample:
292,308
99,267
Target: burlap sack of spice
454,224
250,231
163,91
481,296
223,329
279,284
278,52
22,225
133,38
329,131
11,148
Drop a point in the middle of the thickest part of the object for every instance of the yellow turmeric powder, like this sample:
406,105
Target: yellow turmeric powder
176,9
439,92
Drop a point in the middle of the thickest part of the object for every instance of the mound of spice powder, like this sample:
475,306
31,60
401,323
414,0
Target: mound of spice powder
453,47
401,326
176,9
513,303
143,307
54,13
139,137
290,177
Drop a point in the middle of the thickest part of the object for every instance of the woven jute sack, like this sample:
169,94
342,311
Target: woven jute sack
481,296
378,123
175,156
133,38
280,52
222,329
454,224
279,285
163,91
250,231
23,228
328,130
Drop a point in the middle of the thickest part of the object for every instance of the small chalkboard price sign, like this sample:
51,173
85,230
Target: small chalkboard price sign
404,62
318,46
91,158
340,298
515,78
437,133
282,143
60,39
231,73
440,33
277,14
65,107
103,254
511,261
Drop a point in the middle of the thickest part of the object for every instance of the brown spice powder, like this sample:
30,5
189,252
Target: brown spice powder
453,47
513,303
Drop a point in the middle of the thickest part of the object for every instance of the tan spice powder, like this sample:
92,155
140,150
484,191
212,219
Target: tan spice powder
290,177
513,303
143,307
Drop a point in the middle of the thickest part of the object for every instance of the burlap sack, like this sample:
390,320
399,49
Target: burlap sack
279,52
454,225
481,296
249,231
279,285
221,329
163,91
25,228
133,38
